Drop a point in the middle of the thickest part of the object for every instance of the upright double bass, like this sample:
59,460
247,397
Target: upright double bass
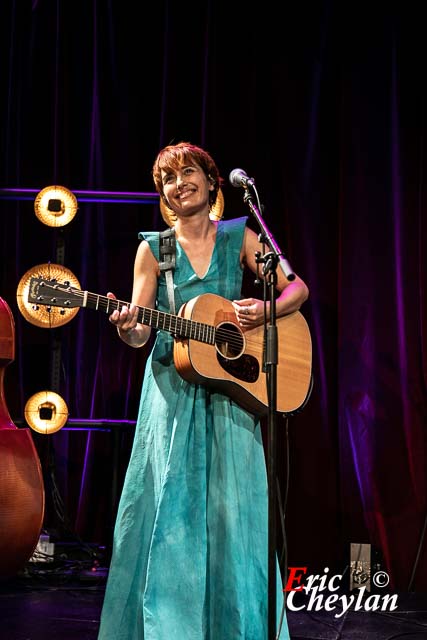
22,497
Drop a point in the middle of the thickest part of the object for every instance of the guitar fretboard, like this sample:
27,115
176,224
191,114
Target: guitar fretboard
178,326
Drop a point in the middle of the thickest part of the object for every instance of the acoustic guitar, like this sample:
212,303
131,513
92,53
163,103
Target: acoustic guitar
210,348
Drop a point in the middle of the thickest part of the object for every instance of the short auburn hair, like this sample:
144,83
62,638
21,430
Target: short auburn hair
177,155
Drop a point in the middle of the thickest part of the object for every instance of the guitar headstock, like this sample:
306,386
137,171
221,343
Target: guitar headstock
51,293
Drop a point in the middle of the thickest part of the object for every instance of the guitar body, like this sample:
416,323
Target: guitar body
242,377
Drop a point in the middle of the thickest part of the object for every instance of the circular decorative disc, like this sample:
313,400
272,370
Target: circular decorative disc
215,213
40,315
55,206
46,412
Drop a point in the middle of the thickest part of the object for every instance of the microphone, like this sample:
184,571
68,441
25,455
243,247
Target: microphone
240,178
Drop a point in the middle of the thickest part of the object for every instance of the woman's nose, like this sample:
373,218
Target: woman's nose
180,179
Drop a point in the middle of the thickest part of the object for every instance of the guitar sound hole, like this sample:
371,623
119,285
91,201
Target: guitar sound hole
229,340
230,353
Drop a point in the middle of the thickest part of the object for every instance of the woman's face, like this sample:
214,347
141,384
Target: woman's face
186,189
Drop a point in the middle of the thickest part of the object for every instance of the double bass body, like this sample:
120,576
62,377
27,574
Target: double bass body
22,497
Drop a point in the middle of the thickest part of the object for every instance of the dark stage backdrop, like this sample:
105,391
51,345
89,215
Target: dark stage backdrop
326,109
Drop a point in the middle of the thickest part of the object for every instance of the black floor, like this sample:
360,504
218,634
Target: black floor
64,603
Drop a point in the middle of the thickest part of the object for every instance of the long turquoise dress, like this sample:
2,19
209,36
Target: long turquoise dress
190,546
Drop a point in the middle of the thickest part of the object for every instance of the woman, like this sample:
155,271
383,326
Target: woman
190,546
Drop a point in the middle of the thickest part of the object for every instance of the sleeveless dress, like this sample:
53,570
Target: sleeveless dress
190,546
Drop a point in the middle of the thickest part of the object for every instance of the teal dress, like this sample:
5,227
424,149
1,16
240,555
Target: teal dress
190,546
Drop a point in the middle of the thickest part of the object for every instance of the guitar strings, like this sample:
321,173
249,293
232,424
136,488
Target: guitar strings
230,336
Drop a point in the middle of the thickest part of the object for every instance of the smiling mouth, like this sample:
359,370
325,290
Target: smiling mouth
185,194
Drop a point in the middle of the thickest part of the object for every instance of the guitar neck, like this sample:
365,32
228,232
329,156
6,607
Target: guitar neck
176,325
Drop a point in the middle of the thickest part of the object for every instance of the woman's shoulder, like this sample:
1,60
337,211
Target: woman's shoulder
152,239
234,223
148,235
235,227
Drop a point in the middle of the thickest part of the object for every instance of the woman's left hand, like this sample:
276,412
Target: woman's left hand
249,312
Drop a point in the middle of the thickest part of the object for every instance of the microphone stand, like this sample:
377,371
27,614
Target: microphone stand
273,258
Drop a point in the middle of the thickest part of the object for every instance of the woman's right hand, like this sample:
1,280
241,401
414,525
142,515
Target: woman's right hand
126,320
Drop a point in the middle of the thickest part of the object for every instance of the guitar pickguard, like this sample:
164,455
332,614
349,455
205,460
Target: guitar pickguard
245,368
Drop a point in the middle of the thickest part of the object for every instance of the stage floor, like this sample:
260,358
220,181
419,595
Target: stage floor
54,604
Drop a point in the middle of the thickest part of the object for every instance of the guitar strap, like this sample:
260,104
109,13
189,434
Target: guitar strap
167,261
